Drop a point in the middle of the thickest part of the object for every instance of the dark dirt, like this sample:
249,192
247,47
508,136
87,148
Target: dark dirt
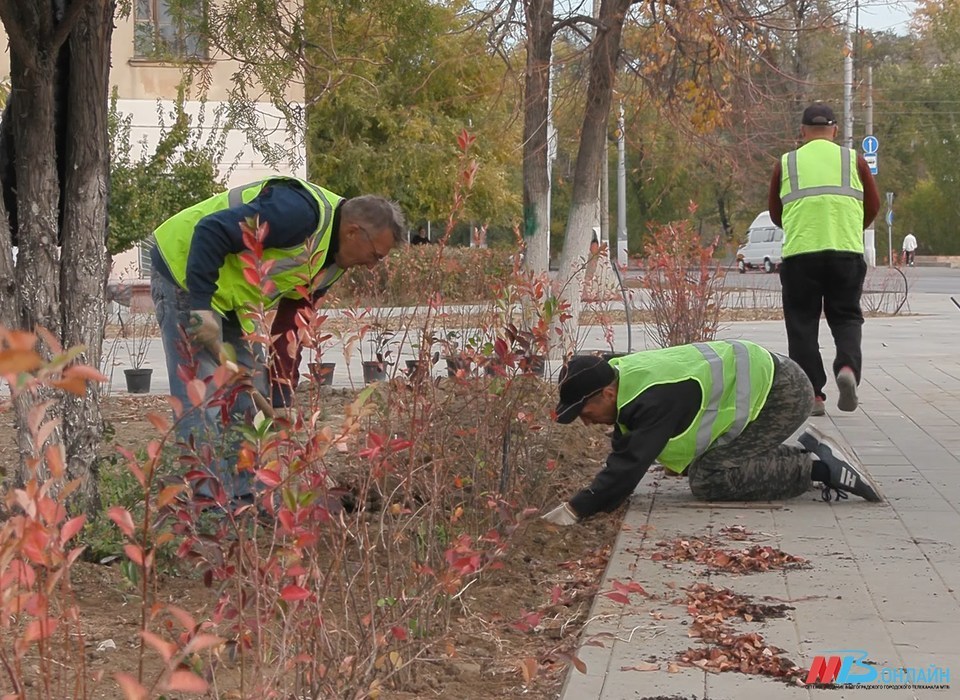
490,649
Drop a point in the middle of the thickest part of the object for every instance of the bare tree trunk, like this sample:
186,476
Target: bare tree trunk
593,141
45,106
84,258
8,286
536,182
38,196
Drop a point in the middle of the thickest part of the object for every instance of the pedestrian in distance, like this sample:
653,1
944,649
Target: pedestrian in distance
202,297
909,249
823,196
718,412
421,237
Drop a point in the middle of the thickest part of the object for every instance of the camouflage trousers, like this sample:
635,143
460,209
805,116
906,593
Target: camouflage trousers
757,466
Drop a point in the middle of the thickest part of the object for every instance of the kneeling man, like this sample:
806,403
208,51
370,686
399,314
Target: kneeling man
717,412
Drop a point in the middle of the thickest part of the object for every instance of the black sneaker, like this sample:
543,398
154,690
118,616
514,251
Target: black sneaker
847,475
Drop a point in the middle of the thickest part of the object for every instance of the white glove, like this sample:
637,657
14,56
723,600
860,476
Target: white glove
562,515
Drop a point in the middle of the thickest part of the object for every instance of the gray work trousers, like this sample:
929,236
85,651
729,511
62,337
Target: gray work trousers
757,466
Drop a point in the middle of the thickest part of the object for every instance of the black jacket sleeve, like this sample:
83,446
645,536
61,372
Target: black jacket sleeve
656,415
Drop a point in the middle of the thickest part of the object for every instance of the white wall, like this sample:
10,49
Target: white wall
241,163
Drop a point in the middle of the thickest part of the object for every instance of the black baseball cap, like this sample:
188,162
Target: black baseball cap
582,377
818,114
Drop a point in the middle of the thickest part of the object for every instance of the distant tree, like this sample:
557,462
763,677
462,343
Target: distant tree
179,171
390,125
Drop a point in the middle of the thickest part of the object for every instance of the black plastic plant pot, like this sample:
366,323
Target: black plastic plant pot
374,371
138,380
322,372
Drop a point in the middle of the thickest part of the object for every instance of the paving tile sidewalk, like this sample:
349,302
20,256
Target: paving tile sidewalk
884,578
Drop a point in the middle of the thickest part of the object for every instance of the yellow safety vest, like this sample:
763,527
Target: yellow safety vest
734,377
297,266
822,199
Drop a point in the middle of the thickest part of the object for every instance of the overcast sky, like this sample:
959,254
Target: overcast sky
887,15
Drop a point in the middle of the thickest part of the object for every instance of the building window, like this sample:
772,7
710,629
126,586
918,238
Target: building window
168,29
143,254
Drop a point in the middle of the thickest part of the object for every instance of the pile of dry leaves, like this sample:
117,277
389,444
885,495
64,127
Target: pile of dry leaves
704,599
743,561
746,653
711,608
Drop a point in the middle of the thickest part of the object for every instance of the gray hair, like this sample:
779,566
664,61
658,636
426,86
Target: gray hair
377,213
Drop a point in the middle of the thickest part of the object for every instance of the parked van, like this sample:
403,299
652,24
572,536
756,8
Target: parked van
764,246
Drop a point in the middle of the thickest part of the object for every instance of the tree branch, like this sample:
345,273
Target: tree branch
66,25
575,20
16,35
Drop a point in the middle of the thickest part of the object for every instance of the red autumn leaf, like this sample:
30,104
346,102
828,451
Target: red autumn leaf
196,391
201,642
159,644
186,682
132,690
72,527
17,361
556,595
134,553
399,633
294,593
121,516
617,597
160,422
268,477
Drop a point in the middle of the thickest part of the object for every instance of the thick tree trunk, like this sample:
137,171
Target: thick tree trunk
593,141
59,80
84,258
38,196
536,181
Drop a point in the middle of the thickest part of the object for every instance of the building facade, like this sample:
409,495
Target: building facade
143,85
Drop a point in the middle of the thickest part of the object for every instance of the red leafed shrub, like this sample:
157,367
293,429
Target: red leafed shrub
683,286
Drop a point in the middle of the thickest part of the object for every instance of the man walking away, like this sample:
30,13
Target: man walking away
909,248
823,196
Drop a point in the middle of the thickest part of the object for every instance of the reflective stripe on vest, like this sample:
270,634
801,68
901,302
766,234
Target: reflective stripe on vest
734,378
845,188
290,267
742,417
822,197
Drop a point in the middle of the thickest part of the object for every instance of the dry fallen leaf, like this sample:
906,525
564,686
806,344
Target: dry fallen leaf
642,667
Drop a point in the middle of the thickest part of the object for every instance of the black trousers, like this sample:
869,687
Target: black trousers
831,282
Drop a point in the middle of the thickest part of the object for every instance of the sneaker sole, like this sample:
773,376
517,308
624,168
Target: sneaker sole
847,387
813,440
818,410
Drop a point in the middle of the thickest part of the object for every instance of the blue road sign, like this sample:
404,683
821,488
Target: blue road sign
890,217
871,159
870,144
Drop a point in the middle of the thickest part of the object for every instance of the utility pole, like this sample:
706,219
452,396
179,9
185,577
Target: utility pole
605,198
621,191
889,229
848,88
869,236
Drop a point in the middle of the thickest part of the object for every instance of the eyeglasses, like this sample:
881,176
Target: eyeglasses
373,245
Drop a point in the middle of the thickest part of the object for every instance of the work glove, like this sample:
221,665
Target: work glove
204,330
562,515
